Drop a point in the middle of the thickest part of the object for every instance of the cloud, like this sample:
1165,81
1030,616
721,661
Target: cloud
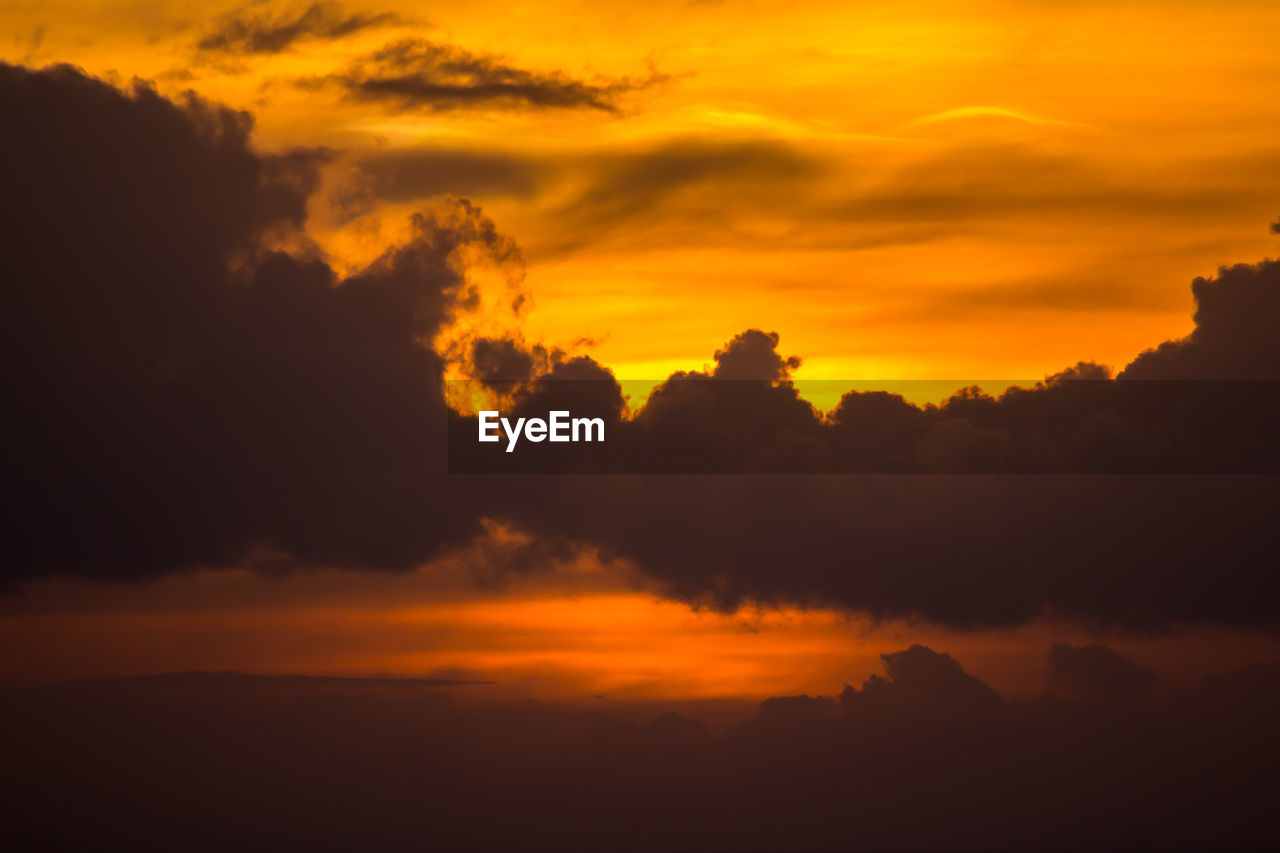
415,175
753,355
978,549
926,756
630,186
1096,672
920,681
617,192
419,74
745,416
243,31
751,190
1234,336
185,393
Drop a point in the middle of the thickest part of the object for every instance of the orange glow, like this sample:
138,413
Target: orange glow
976,189
577,634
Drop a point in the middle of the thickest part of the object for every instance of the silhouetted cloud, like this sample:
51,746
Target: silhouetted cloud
920,682
1235,334
925,757
1096,672
247,31
753,355
746,416
419,74
184,391
184,394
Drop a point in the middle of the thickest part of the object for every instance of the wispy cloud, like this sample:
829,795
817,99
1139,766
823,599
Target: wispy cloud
421,74
245,32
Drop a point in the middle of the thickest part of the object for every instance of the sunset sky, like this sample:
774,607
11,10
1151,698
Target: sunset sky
930,191
247,244
925,190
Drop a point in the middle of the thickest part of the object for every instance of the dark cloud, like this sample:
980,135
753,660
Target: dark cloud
419,74
920,681
500,359
753,355
180,391
925,757
1096,672
746,416
959,550
1235,333
244,31
182,394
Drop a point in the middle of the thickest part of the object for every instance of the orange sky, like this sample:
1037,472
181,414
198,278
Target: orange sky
920,190
928,189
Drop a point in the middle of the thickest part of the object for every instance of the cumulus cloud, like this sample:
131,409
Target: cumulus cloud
1096,672
1234,336
746,416
960,550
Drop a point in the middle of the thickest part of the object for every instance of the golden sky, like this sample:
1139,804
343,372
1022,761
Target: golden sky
923,190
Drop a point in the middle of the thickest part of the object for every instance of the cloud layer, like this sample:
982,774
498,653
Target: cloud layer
185,393
925,757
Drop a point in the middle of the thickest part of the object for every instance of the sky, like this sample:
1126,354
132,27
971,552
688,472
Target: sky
936,191
251,245
928,190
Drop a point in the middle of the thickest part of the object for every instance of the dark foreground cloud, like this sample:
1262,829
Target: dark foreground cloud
182,394
247,31
419,74
925,757
180,391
